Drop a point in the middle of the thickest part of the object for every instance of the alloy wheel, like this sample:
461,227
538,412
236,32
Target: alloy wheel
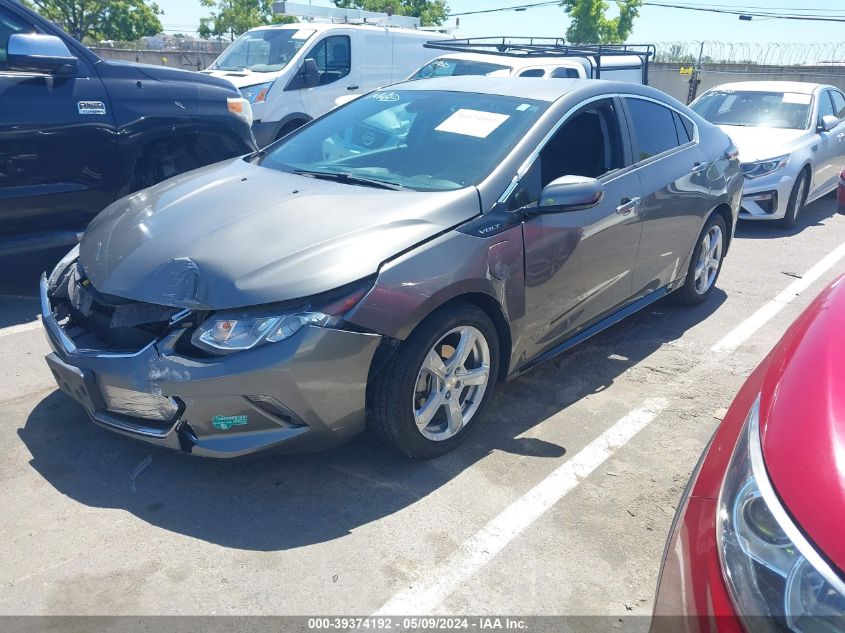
451,383
709,259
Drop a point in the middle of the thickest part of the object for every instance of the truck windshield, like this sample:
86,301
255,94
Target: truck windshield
448,67
752,108
265,50
409,139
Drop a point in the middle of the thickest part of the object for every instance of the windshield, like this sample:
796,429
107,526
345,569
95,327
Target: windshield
448,67
266,50
788,110
420,140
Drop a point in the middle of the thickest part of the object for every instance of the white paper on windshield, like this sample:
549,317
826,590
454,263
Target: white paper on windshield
472,123
796,97
302,34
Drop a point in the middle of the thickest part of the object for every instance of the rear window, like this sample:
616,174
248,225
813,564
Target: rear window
448,67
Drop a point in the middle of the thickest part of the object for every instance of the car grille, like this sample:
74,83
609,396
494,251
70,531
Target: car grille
109,324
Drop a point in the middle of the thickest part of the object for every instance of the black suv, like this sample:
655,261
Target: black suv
77,132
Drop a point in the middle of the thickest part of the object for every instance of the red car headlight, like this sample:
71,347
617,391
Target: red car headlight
776,578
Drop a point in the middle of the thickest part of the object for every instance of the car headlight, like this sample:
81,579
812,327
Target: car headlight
761,168
241,108
257,93
770,568
236,330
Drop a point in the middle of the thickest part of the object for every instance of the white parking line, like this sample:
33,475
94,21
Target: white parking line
426,593
747,328
23,327
429,591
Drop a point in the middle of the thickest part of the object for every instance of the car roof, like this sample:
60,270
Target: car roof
772,86
535,88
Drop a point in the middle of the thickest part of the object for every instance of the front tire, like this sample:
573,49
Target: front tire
796,201
434,389
705,264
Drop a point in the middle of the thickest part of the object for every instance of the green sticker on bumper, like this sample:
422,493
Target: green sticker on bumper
226,422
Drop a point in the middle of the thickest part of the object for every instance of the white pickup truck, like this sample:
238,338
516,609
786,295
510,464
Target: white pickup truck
537,57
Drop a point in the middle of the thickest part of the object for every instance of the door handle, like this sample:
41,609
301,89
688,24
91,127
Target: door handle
698,168
352,87
626,205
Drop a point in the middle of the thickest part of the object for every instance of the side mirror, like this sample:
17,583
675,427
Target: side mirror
828,122
33,52
311,73
570,193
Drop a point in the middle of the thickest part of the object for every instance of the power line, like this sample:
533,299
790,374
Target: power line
753,11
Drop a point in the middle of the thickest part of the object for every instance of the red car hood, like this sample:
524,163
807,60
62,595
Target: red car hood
803,421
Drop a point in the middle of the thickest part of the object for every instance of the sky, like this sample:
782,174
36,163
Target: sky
655,24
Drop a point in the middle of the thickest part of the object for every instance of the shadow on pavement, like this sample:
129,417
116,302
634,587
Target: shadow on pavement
274,503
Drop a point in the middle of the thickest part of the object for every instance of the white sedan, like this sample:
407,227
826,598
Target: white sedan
791,141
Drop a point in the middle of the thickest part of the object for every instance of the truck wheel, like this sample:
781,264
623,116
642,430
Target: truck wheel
434,389
796,201
705,264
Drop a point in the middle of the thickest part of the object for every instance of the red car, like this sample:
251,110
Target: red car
759,538
841,192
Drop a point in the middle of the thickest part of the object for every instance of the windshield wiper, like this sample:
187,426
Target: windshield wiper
350,179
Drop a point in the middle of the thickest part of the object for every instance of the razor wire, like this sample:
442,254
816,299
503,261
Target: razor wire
752,53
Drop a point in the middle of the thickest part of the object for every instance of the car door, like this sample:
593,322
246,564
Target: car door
338,73
831,152
579,264
672,169
57,145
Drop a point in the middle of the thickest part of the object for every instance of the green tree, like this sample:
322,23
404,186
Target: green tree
430,12
590,25
233,17
127,20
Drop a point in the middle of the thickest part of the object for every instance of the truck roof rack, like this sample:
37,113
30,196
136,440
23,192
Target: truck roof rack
528,47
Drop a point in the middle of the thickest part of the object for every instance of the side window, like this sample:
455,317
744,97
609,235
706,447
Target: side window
838,103
653,126
588,144
532,72
9,24
683,128
564,73
333,57
825,105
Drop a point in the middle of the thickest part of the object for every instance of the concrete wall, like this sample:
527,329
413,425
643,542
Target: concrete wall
667,77
189,60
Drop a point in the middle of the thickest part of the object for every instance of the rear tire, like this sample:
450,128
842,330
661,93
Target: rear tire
797,198
426,400
705,264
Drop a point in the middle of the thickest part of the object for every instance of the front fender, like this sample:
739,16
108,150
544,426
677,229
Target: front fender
412,286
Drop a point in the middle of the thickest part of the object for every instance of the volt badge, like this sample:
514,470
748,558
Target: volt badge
91,107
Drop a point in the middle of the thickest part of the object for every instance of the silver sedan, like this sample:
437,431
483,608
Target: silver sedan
791,140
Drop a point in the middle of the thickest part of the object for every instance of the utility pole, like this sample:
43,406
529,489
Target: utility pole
694,80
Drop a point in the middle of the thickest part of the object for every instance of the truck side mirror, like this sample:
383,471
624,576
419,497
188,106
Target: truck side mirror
311,73
34,52
570,193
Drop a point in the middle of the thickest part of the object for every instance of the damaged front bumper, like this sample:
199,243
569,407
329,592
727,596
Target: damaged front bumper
303,393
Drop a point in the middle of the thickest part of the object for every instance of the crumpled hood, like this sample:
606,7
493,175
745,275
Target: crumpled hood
760,143
236,234
802,418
